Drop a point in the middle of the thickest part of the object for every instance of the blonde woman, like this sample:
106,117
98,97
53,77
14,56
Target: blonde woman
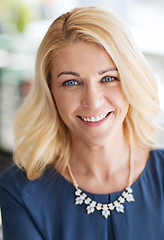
86,166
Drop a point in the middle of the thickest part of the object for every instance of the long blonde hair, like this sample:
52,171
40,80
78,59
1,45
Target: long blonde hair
41,137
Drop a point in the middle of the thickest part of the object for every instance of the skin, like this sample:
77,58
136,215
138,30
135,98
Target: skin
86,83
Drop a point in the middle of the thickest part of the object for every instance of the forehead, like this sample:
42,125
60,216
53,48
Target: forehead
81,56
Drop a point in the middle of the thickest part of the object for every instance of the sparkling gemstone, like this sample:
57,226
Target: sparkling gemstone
98,207
93,204
129,189
116,203
124,193
78,200
120,208
121,199
90,209
83,196
105,207
106,213
78,192
130,198
110,206
87,201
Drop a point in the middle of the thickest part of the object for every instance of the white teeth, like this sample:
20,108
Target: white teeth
97,118
94,119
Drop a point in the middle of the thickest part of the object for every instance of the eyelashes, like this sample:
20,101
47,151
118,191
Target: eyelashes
72,82
109,79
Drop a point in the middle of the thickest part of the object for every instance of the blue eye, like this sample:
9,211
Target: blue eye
70,83
109,79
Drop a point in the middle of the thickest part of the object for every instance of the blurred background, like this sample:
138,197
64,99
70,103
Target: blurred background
22,27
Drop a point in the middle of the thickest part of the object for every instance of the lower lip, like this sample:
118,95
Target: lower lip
96,124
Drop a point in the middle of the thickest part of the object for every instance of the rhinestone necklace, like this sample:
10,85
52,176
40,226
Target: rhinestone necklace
118,204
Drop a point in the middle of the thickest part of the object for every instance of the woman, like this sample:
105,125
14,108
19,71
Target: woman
84,139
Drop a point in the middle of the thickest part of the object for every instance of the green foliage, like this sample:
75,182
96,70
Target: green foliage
22,17
16,12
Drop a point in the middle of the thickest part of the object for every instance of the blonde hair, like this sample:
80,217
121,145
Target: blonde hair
41,137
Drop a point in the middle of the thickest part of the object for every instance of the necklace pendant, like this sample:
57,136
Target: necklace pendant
105,209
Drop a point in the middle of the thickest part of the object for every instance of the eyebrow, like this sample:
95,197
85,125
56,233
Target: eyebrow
78,75
68,73
108,70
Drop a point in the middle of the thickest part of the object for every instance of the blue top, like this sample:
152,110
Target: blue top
45,209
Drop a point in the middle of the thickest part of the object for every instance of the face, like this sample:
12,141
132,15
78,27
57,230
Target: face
88,94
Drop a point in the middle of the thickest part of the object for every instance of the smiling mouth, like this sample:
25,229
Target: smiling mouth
96,118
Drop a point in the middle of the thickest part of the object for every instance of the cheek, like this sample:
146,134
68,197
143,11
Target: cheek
65,104
118,100
62,104
66,98
122,100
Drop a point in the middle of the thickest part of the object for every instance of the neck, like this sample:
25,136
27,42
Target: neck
101,162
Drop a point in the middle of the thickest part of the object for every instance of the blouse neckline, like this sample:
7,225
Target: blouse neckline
113,193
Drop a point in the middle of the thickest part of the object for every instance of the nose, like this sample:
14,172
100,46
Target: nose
92,97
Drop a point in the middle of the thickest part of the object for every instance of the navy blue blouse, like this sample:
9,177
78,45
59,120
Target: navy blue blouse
44,209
